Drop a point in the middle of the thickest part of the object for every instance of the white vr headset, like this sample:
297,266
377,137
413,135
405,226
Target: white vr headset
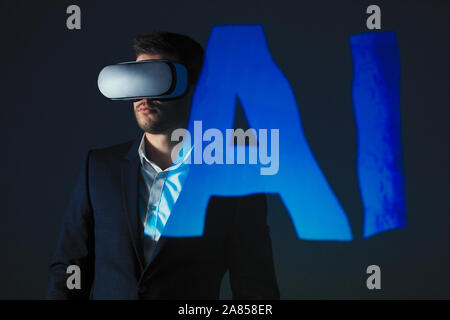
153,79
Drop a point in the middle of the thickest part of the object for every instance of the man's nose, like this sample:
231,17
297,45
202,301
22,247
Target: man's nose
144,101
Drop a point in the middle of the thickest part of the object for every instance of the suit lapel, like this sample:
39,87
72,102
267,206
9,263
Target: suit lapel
159,245
129,182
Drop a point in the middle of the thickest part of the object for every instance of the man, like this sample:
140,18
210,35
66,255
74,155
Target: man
124,196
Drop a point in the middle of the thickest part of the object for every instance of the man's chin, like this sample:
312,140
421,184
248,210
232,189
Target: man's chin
151,127
147,120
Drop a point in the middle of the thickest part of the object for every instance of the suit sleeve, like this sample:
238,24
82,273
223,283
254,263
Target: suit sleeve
251,266
76,243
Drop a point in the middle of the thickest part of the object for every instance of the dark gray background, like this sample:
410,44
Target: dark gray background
52,112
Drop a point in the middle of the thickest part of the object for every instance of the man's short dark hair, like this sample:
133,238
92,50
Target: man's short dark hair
177,47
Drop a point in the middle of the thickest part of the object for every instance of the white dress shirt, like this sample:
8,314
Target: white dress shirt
158,192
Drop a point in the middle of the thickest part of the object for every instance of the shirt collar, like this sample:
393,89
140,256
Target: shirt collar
144,159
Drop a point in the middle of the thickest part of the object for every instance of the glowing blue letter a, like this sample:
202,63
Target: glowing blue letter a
238,64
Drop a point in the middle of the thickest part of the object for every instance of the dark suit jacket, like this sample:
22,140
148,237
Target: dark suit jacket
101,234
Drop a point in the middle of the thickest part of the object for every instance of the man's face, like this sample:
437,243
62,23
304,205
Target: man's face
161,116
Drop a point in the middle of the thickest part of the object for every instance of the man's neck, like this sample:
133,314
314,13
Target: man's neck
158,148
